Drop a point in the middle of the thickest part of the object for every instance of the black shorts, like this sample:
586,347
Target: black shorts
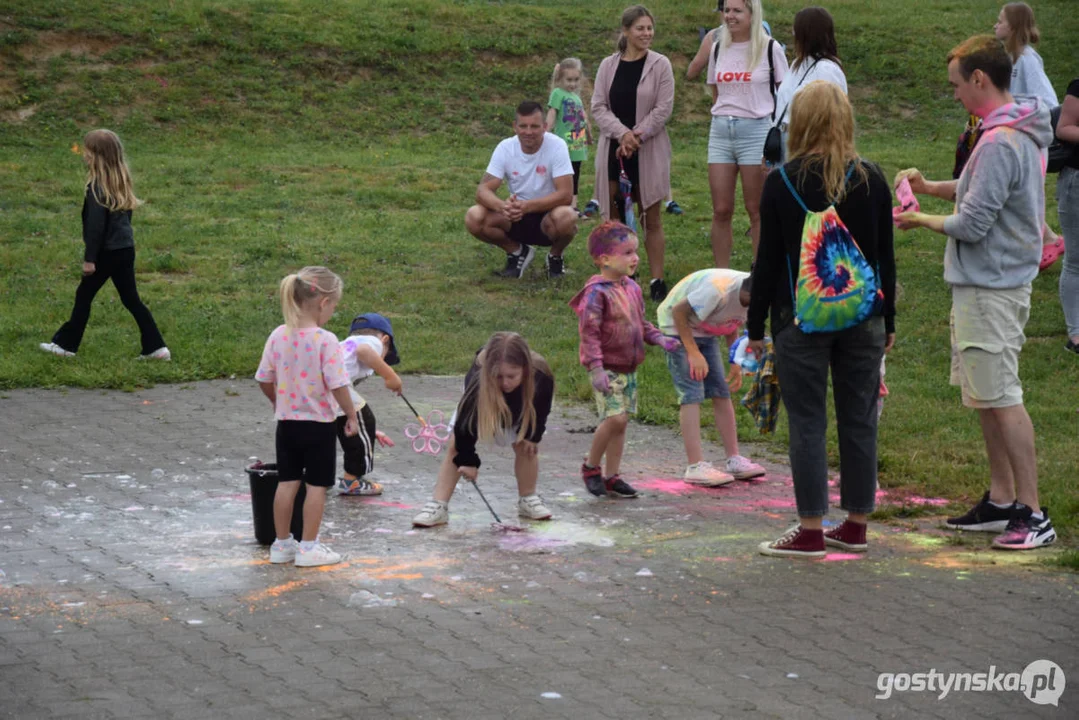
576,175
359,448
527,230
306,450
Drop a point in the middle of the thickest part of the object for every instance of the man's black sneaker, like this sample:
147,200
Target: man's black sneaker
556,266
983,517
516,264
657,289
617,486
1024,532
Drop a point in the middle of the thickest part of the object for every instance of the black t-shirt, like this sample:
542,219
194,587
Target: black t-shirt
1073,90
866,210
465,426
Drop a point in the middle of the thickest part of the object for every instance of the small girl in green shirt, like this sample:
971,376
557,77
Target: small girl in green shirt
566,116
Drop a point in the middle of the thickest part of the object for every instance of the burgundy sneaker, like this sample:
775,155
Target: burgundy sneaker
593,480
849,536
796,542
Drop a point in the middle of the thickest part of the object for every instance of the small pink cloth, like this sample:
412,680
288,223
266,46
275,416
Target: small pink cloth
907,201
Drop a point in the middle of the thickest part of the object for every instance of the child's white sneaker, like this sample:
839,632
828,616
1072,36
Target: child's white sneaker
433,513
532,507
704,475
283,551
162,353
55,349
743,469
316,556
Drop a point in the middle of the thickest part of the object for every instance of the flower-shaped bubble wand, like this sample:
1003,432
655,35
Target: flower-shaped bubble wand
429,435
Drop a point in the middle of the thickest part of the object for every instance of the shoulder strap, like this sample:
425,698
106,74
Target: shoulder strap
772,77
790,186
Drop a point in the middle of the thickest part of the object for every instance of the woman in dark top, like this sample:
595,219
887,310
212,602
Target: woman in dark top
508,394
825,169
1068,211
110,248
632,100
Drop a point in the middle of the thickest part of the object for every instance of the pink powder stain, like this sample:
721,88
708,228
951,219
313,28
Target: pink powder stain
671,487
721,558
524,543
774,503
838,557
383,503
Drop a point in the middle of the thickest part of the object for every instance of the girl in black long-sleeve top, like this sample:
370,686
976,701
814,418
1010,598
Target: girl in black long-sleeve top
110,248
822,154
508,394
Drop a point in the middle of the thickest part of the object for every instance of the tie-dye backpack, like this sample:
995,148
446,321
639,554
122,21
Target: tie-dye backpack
837,287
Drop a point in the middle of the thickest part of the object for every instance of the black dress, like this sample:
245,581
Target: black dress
623,103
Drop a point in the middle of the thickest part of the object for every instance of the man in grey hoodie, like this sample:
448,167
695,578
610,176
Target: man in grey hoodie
992,255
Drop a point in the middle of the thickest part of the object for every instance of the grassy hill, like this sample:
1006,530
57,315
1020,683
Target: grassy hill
269,134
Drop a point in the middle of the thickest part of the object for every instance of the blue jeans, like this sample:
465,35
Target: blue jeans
693,392
802,363
1068,211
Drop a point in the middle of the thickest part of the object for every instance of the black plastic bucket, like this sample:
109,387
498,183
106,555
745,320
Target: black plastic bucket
263,479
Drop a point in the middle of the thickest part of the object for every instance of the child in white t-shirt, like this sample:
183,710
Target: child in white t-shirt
369,350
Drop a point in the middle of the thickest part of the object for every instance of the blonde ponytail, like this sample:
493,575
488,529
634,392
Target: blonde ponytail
299,289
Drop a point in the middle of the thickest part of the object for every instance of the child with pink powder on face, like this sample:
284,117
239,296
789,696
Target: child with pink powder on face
613,330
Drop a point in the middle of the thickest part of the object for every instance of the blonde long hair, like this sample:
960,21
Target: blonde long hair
822,133
109,178
570,63
300,288
758,39
492,414
1020,17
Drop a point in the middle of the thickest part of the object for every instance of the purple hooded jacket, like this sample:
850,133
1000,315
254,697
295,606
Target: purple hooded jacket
611,324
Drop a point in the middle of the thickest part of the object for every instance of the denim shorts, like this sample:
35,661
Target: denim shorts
737,141
693,392
623,397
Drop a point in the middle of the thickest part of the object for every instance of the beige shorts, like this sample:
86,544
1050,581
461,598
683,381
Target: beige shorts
987,336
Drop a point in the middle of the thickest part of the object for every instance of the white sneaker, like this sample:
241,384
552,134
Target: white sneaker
433,513
283,551
316,556
532,507
742,469
55,349
161,353
704,475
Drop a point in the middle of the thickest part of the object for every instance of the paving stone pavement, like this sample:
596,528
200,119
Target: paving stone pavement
131,585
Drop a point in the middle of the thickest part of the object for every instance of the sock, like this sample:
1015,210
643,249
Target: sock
1001,506
281,543
1037,517
520,250
308,545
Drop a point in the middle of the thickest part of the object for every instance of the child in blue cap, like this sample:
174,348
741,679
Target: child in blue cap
369,350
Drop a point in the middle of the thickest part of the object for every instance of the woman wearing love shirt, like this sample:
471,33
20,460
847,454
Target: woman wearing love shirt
738,71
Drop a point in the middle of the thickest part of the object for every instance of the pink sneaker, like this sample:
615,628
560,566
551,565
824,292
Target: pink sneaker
1051,252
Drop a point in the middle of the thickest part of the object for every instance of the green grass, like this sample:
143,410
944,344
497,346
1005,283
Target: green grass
270,134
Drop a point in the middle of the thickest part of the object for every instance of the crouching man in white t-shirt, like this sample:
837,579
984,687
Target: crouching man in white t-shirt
536,166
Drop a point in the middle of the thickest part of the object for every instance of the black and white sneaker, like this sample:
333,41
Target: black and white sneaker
657,289
983,517
516,264
556,266
1024,532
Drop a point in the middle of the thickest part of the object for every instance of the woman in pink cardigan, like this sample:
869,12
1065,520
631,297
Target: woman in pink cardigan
633,97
